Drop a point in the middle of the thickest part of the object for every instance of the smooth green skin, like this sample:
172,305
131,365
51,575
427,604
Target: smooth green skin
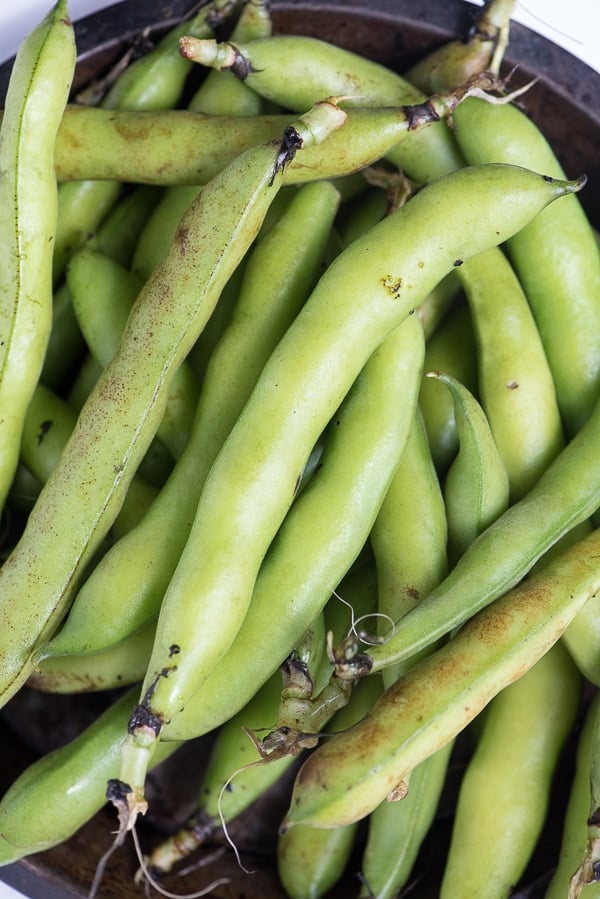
35,101
86,490
361,214
410,533
103,293
309,861
450,349
505,791
564,497
280,273
556,257
48,425
83,382
296,71
180,147
575,830
154,82
456,61
516,385
328,524
68,784
364,294
118,666
582,639
346,778
397,829
476,488
119,232
82,207
66,346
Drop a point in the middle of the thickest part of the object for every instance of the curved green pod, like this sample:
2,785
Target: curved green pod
410,534
556,257
511,772
37,93
515,382
329,523
296,71
476,487
397,829
451,349
103,293
153,82
279,275
86,490
564,497
364,295
345,779
69,784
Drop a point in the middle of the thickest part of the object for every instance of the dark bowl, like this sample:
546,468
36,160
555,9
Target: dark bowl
565,102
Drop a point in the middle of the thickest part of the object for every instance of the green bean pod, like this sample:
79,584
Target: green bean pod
409,535
48,425
118,234
365,293
563,498
66,346
103,293
329,523
155,81
575,828
182,147
386,386
476,488
556,258
84,382
450,349
457,60
511,773
87,488
219,94
309,861
291,69
345,779
233,754
69,784
515,382
280,272
397,829
582,639
35,101
118,666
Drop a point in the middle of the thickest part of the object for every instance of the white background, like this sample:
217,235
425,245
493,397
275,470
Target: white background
574,25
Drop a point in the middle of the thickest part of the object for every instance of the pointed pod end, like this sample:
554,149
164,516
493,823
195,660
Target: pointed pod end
567,187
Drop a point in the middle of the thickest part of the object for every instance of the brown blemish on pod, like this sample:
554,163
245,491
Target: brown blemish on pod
392,285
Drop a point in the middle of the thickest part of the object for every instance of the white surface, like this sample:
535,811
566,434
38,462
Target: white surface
574,25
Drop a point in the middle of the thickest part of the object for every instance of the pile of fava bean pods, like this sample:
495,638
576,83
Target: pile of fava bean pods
299,468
